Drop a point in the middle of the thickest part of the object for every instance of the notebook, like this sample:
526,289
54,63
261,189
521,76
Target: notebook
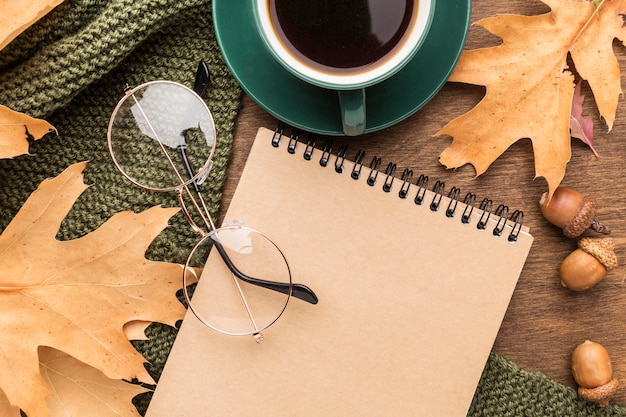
413,283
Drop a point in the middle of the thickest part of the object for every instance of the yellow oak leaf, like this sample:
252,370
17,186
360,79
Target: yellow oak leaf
77,296
79,390
18,15
529,88
14,130
15,17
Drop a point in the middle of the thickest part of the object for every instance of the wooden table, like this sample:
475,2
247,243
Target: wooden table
545,321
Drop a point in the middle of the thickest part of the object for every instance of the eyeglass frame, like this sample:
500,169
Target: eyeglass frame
299,291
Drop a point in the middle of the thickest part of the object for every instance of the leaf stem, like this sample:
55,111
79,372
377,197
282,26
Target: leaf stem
598,4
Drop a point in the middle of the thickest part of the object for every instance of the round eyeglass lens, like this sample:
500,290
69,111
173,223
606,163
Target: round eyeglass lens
245,283
162,136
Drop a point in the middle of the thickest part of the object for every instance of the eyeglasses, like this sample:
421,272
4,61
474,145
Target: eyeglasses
162,137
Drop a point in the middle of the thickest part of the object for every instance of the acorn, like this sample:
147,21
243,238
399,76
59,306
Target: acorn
571,211
593,372
589,264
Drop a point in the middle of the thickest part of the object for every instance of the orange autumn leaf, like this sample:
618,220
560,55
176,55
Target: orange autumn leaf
529,88
15,17
14,130
18,15
77,296
77,387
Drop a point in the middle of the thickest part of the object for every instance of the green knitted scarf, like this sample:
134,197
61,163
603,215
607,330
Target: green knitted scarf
71,67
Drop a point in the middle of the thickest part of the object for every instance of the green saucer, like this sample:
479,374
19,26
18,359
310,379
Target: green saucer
315,109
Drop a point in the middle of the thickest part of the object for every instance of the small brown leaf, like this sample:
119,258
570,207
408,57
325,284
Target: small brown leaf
14,130
581,127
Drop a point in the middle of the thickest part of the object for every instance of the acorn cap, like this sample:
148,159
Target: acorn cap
583,218
599,395
603,249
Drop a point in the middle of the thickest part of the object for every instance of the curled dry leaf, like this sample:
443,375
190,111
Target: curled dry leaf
581,127
529,88
14,130
18,15
77,296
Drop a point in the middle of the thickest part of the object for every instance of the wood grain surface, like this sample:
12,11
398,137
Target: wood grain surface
545,321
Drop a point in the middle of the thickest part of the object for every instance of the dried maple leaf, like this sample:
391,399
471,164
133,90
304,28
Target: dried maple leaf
77,296
18,15
529,88
581,127
15,128
15,17
77,387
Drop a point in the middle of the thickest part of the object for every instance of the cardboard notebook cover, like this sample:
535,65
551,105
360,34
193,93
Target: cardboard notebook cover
410,302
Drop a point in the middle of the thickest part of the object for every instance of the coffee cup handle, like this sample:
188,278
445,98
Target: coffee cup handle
352,105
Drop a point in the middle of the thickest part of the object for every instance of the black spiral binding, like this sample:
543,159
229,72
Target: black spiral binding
374,170
469,201
340,158
310,147
515,218
407,178
422,185
358,164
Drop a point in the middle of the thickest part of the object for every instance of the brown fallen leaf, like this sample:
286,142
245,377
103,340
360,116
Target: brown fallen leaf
581,127
14,130
77,296
15,17
80,390
18,15
529,88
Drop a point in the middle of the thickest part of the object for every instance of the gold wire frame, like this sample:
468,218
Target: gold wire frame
197,201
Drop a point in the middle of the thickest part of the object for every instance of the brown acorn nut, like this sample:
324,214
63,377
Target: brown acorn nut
571,211
588,265
593,372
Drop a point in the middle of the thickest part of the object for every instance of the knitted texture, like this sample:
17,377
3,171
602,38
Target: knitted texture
505,390
71,67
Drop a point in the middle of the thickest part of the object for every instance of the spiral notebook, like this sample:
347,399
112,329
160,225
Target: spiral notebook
413,282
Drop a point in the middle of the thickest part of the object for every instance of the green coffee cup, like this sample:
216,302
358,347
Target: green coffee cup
344,45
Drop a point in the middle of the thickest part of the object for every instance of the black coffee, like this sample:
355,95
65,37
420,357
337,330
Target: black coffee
341,34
